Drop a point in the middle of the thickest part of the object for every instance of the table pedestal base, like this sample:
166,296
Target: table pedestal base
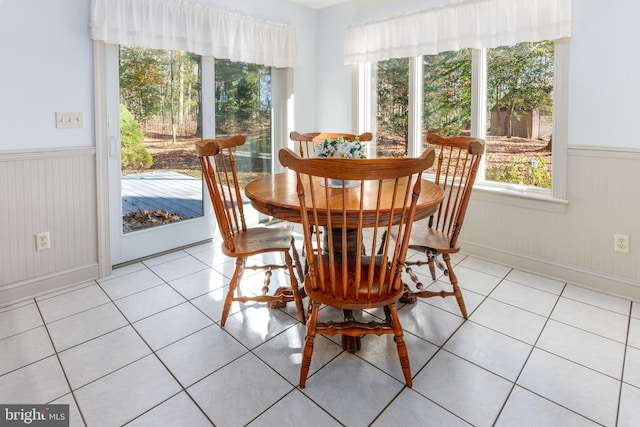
351,344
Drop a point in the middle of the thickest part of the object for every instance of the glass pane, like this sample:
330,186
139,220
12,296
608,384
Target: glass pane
392,110
160,120
520,110
446,107
243,106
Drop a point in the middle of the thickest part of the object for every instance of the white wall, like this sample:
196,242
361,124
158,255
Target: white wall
46,66
604,88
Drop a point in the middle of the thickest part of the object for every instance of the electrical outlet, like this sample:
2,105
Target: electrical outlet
42,241
621,243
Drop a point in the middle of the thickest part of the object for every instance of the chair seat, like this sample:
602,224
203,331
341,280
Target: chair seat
260,240
425,237
357,297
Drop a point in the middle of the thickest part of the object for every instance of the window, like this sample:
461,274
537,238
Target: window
446,94
392,109
515,117
243,106
520,112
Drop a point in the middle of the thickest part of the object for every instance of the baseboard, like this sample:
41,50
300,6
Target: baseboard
16,292
607,284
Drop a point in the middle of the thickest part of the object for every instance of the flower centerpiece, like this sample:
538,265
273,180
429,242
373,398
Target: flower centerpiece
342,148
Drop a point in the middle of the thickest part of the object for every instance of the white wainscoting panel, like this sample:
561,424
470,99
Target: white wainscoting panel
54,191
574,244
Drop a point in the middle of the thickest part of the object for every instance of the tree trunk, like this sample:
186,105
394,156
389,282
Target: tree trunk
507,121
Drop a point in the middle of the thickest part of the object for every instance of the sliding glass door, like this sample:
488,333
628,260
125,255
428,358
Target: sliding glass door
156,115
159,104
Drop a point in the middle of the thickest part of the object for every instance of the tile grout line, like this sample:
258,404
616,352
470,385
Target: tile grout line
64,372
533,348
624,360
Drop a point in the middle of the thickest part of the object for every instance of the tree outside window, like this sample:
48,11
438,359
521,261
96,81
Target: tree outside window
519,107
161,118
243,106
392,110
520,111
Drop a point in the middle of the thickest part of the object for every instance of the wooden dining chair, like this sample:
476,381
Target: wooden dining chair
457,164
306,141
240,242
340,275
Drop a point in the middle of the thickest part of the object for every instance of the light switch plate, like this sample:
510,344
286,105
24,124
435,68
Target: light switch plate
69,120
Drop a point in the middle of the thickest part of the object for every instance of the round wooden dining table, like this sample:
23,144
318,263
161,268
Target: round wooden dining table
276,195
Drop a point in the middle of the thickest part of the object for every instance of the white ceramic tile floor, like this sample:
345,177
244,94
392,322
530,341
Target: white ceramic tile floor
143,347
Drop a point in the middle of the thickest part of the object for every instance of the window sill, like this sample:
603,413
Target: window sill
519,196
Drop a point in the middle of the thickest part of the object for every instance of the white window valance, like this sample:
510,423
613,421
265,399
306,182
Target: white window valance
457,25
187,25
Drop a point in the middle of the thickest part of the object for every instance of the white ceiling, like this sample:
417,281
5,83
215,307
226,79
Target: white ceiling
316,4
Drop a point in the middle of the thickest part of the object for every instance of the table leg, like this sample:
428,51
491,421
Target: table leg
349,343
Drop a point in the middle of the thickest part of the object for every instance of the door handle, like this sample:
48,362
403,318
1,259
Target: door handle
112,146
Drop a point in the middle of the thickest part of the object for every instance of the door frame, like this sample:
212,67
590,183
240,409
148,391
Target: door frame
282,124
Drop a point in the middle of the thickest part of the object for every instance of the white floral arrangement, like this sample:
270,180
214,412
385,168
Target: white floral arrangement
340,147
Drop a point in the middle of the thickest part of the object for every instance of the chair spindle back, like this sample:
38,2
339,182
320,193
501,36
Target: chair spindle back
376,195
457,165
218,166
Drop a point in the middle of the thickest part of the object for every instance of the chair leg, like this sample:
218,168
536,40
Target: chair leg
382,242
235,279
403,353
296,260
294,288
454,282
307,352
431,259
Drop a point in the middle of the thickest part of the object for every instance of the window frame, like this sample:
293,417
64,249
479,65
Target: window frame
553,200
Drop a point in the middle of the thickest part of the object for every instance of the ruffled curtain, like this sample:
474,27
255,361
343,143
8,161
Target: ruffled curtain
461,24
186,25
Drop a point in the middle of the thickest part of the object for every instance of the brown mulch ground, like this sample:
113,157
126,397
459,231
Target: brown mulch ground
142,219
181,156
501,152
